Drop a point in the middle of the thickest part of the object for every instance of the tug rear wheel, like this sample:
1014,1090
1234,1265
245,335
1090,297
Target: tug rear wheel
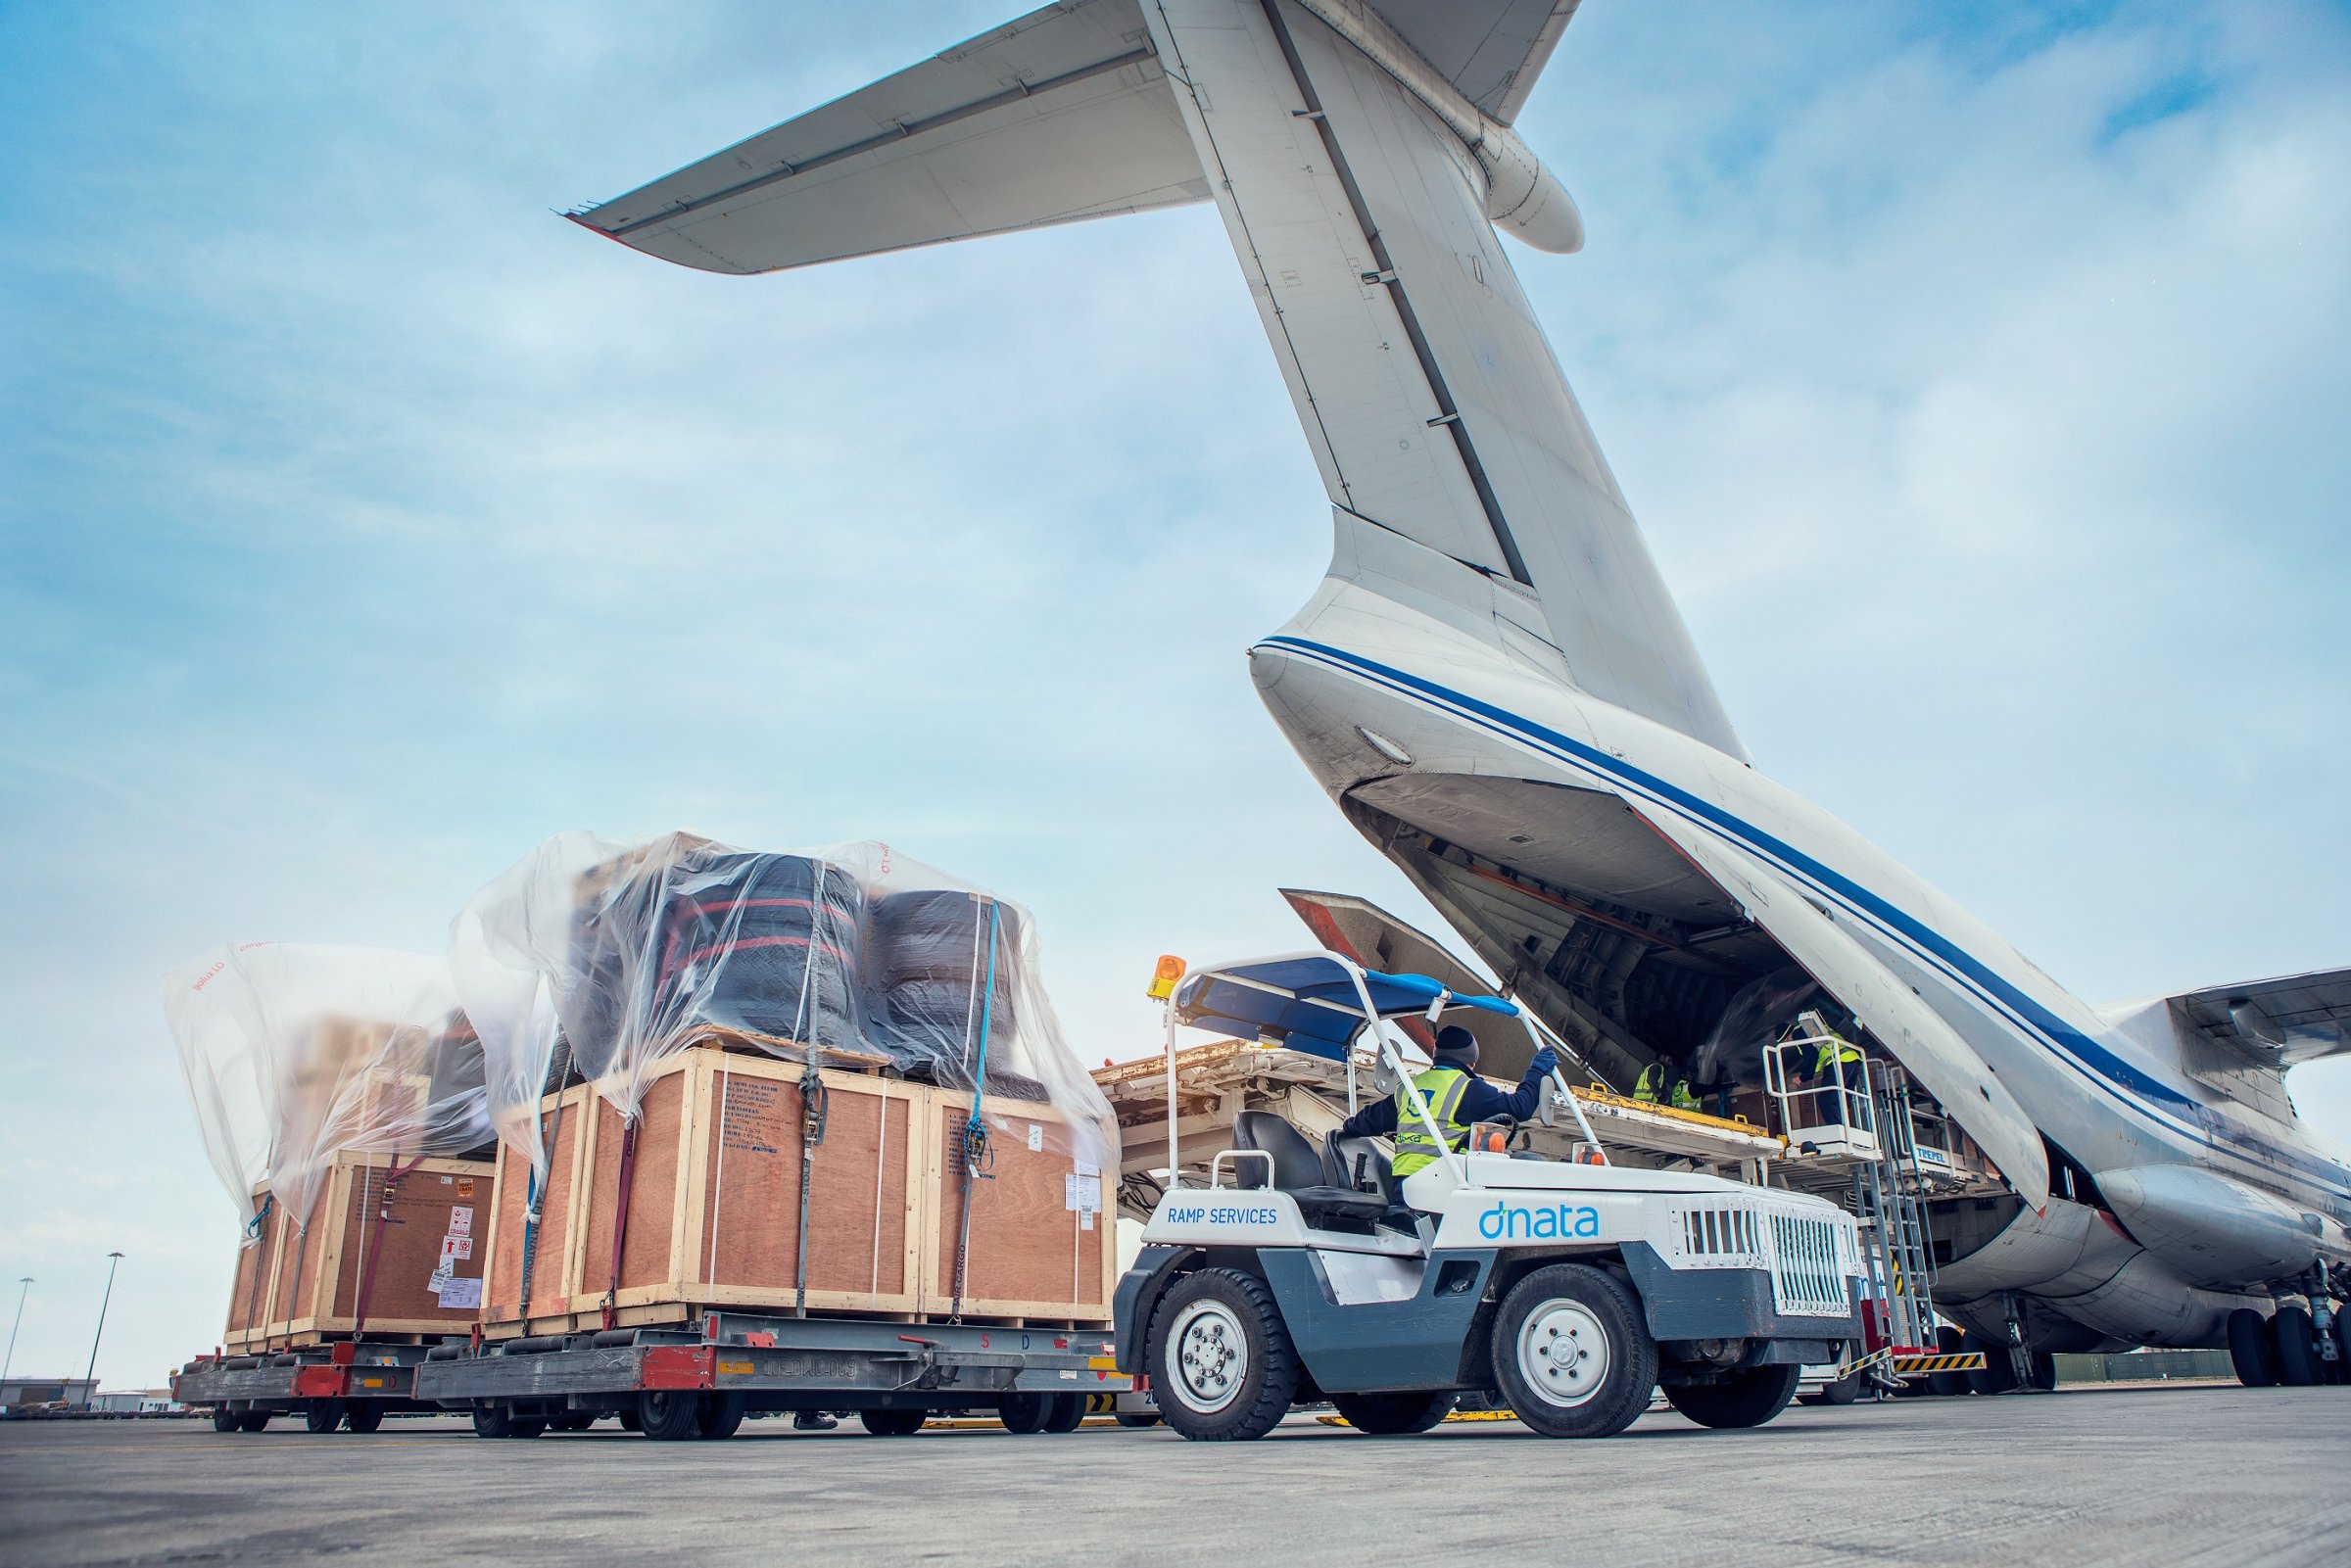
893,1423
1221,1361
1739,1400
1571,1352
1391,1415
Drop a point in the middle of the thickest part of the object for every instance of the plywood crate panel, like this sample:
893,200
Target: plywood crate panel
374,1239
713,1212
1027,1253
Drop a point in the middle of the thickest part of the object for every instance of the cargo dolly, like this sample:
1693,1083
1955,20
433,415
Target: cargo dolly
350,1385
699,1381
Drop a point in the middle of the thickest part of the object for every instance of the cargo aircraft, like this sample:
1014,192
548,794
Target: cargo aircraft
1493,683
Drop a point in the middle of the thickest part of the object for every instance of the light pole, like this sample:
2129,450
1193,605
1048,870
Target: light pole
10,1359
89,1376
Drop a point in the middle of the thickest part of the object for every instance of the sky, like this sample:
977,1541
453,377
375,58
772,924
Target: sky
1978,373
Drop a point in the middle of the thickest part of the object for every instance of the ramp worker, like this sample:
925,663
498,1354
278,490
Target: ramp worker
1663,1080
1457,1097
1833,1051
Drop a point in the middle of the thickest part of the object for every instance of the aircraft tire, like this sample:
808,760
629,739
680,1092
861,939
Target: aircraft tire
1599,1391
1392,1415
1949,1340
2299,1364
1998,1375
1843,1390
1740,1400
2251,1350
1219,1357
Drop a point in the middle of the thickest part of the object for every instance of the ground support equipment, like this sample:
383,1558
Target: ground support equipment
700,1380
347,1385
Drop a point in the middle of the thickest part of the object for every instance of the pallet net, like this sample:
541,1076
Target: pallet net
295,1054
596,961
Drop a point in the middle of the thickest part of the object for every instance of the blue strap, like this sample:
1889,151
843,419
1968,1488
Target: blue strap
976,1130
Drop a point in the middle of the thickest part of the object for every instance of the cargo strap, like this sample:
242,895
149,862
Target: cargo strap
254,1228
620,1216
375,1243
535,1194
814,1101
976,1153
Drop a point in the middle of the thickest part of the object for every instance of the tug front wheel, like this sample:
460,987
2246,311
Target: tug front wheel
1220,1358
1741,1399
1572,1354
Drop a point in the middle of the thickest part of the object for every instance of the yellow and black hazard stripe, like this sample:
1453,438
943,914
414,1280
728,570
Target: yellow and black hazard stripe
1919,1365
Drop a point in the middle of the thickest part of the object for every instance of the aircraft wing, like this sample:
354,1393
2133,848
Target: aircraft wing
1490,50
1911,1031
1061,114
2277,1022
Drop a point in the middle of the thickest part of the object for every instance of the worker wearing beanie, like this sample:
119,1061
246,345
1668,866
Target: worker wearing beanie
1457,1097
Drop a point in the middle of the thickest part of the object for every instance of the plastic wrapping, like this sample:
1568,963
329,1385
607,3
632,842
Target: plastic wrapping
295,1054
1759,1013
607,958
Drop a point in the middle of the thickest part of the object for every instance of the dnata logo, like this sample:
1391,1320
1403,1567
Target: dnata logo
1508,1221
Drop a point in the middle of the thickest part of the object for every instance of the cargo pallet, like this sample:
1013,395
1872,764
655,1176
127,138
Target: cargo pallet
349,1384
700,1380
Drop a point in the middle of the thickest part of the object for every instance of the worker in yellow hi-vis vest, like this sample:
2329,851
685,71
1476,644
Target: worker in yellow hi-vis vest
1456,1097
1663,1082
1837,1061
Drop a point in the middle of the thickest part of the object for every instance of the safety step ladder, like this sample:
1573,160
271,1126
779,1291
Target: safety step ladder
1898,1264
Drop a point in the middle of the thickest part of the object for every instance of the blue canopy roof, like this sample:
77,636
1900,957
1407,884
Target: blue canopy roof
1307,1002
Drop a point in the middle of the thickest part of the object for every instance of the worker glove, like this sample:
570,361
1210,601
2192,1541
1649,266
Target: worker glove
1545,1061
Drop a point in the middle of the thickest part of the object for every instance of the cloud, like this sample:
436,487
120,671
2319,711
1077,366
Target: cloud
361,522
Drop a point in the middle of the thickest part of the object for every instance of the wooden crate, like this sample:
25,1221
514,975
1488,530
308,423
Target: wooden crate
714,1208
302,1287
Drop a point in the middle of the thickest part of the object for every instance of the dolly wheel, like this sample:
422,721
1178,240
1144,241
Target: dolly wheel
670,1415
1137,1420
321,1416
1221,1361
1025,1413
1064,1412
1571,1352
254,1422
893,1423
226,1419
362,1416
721,1415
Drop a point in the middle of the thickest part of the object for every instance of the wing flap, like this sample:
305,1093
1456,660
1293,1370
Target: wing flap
2277,1022
1059,115
1911,1031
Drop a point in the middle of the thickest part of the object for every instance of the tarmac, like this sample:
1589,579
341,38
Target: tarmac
2177,1476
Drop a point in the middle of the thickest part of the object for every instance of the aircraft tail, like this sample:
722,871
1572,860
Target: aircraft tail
1360,153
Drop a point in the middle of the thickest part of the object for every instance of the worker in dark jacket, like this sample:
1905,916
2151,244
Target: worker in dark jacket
1457,1097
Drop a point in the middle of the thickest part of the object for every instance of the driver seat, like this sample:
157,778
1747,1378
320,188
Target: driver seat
1298,1170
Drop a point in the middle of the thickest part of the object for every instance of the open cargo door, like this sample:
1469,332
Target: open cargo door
1910,1031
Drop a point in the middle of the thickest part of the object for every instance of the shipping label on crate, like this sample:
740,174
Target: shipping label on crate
1081,1194
461,1221
1037,1138
457,1247
458,1295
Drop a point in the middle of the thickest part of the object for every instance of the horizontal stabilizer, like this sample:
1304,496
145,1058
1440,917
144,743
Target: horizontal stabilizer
1491,50
2277,1022
1059,115
1912,1032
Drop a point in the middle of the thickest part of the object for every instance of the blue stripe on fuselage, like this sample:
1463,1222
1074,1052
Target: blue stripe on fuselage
2120,1080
